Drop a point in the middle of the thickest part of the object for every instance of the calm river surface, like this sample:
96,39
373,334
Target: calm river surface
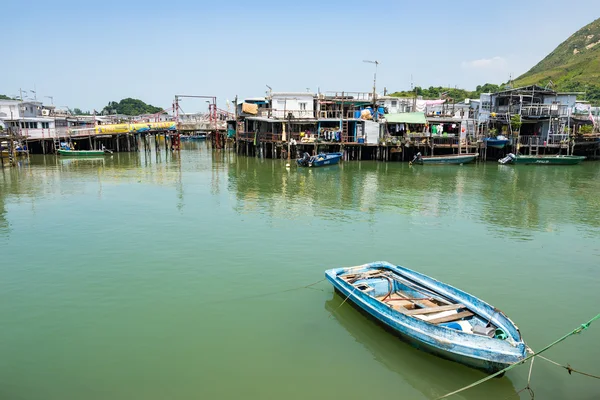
164,277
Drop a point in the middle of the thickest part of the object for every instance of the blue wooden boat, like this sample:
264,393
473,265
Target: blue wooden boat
497,142
432,315
319,160
193,137
446,159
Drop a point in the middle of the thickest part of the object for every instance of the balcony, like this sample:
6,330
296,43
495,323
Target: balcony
283,114
534,110
337,114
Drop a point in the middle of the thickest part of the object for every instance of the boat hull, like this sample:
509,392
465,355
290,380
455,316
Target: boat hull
483,353
81,153
549,160
447,160
496,143
193,138
320,160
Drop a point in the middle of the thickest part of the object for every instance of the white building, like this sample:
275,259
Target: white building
300,104
396,105
27,118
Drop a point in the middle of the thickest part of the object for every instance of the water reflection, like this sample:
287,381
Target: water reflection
47,176
511,200
430,375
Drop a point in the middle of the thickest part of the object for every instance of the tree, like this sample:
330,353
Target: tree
515,122
4,97
78,111
130,106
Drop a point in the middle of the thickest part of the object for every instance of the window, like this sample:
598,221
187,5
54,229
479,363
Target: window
22,125
45,125
394,103
302,106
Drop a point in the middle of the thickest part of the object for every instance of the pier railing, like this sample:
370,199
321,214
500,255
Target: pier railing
337,114
283,114
534,110
278,137
540,141
350,96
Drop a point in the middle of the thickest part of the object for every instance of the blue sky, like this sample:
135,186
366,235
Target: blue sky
86,54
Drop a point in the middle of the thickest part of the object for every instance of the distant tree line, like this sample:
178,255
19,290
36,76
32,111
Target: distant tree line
455,94
130,106
77,111
590,92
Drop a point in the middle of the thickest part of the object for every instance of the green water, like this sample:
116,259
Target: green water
164,277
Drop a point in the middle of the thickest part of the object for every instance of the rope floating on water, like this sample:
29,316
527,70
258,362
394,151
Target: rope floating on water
255,296
579,329
569,368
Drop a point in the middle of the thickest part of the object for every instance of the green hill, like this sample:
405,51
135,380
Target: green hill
573,66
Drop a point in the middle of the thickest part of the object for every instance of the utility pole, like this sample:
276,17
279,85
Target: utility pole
51,99
374,77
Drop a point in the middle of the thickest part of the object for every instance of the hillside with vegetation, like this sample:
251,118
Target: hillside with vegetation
573,66
452,94
130,106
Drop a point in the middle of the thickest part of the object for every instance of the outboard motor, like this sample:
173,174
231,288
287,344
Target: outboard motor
417,158
508,159
304,160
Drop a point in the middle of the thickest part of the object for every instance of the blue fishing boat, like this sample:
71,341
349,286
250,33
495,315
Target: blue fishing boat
446,159
498,142
319,160
193,137
432,315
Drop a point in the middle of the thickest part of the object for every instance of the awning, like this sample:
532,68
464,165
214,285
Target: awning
406,118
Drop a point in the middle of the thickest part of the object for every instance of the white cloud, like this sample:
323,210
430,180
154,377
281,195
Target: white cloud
485,63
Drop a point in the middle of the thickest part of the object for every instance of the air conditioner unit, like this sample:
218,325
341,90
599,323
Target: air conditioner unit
46,112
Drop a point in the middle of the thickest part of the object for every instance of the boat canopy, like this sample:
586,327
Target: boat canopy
406,118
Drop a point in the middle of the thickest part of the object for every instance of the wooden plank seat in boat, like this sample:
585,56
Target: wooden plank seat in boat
397,297
431,310
401,305
450,318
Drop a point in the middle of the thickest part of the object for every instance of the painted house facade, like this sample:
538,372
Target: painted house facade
545,113
28,119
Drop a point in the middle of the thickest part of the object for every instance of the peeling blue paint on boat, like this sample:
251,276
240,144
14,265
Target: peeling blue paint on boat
477,351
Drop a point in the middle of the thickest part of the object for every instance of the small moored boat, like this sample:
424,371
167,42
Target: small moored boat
447,159
319,160
193,137
498,142
541,160
432,315
83,153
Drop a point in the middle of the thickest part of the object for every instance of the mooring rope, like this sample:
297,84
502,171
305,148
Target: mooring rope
579,329
309,286
342,303
569,368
